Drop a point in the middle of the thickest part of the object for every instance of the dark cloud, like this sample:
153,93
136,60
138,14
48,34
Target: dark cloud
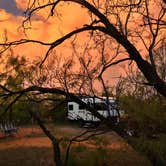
10,6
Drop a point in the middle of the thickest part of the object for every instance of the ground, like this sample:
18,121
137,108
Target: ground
30,147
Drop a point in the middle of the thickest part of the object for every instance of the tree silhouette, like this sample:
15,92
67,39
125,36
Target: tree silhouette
116,28
119,29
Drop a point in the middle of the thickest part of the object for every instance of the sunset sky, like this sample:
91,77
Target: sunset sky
43,29
11,17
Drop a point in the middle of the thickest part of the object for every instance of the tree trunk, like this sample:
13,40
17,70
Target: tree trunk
55,142
57,154
145,67
152,76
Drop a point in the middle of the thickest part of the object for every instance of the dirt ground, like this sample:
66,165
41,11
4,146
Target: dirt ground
24,138
33,137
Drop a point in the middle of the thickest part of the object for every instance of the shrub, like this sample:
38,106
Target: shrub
154,149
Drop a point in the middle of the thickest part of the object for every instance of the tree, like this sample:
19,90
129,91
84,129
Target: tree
117,29
134,82
116,20
14,91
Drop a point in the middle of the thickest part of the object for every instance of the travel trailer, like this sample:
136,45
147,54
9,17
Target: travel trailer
77,112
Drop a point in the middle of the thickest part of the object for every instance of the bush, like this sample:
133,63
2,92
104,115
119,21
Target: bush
155,150
80,156
146,117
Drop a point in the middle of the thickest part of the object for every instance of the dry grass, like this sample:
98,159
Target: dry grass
30,147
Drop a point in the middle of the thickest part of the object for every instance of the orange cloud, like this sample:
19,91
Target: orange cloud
10,24
72,16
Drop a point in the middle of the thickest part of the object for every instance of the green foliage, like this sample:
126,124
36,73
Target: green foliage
154,149
58,114
14,76
80,148
17,112
90,158
22,117
13,69
147,118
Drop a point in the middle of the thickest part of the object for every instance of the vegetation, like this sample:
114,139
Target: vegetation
93,152
115,35
146,118
154,149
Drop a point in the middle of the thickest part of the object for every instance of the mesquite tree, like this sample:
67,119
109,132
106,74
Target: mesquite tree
131,24
118,31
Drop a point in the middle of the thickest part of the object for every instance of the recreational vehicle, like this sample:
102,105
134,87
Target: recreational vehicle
104,107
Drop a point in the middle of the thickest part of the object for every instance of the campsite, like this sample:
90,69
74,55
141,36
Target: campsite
31,147
82,82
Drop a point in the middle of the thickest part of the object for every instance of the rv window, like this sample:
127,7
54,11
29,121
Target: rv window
100,106
70,107
81,107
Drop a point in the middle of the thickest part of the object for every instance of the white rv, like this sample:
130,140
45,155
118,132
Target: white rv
77,112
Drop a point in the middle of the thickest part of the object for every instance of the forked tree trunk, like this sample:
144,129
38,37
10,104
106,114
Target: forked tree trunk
57,153
55,142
